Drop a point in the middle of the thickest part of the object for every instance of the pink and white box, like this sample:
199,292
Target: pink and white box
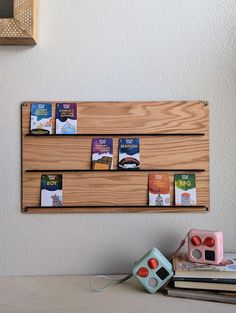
205,246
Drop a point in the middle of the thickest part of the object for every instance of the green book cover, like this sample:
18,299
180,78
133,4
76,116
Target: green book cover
185,189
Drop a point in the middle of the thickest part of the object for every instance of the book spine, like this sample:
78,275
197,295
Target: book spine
201,296
207,280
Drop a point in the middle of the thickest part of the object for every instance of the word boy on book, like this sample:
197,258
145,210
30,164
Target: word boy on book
51,190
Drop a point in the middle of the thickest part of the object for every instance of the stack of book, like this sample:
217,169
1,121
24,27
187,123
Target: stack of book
203,281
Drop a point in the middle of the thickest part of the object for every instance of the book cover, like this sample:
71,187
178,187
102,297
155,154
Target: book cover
51,190
184,268
102,154
185,189
159,189
129,154
41,118
207,280
207,286
66,118
206,295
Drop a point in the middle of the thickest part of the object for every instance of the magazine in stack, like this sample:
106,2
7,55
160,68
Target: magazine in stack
204,281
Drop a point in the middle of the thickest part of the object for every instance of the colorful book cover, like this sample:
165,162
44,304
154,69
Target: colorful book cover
41,118
182,264
66,118
51,190
102,154
185,189
159,189
129,154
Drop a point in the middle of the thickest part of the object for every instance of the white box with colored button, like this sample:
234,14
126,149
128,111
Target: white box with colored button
205,246
153,270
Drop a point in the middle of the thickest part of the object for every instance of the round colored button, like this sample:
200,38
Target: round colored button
196,241
143,272
209,242
153,263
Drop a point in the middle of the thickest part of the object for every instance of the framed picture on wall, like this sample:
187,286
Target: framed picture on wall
18,22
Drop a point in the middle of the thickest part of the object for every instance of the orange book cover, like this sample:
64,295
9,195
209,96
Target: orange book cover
159,189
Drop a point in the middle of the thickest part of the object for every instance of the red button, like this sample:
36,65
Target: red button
196,241
153,263
209,242
142,272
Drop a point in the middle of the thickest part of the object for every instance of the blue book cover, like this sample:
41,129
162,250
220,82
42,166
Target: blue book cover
129,154
41,118
66,118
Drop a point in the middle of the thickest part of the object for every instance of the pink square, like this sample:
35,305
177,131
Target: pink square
205,246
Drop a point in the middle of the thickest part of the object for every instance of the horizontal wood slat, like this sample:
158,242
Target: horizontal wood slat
183,144
102,188
114,209
137,117
156,152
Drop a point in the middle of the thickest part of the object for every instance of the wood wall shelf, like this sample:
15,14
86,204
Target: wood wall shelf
115,135
117,170
117,209
174,138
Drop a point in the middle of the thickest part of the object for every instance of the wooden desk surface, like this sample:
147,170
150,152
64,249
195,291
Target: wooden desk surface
71,294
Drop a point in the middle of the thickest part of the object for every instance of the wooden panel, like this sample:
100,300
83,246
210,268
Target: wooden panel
137,117
105,188
183,144
75,153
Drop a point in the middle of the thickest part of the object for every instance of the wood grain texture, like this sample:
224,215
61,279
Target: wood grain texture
75,153
94,188
105,188
137,117
71,294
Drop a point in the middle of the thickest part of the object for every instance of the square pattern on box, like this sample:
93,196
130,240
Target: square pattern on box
153,270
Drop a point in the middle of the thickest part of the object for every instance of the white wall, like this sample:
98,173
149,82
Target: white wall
117,50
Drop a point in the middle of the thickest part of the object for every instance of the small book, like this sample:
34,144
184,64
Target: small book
203,285
66,118
205,295
41,118
185,189
129,154
51,190
159,189
102,154
185,269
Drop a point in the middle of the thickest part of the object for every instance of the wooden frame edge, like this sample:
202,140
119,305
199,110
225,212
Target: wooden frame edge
105,210
27,33
57,210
